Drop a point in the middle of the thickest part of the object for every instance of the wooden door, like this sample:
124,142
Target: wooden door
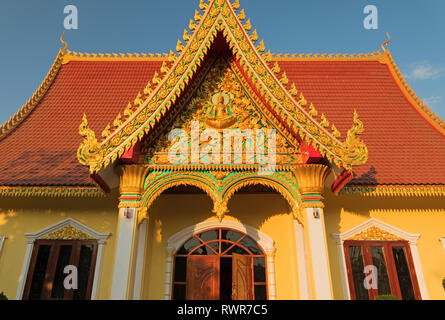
242,277
202,278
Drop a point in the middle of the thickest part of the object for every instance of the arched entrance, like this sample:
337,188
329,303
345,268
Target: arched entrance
220,264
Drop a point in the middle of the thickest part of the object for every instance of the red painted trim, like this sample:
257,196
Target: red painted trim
100,182
309,154
131,155
341,181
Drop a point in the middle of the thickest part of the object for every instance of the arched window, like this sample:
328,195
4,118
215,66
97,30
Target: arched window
220,264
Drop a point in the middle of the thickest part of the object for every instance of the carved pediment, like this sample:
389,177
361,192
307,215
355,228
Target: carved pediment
224,103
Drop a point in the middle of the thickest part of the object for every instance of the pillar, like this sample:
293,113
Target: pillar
311,179
131,187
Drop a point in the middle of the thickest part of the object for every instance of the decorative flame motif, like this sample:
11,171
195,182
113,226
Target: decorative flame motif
89,151
354,149
67,233
374,233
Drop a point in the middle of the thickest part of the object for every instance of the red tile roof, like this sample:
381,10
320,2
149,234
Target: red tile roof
403,147
42,149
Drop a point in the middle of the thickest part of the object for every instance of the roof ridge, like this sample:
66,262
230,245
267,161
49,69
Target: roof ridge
32,102
417,103
136,56
370,56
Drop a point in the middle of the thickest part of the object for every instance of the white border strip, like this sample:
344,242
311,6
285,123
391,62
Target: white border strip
2,239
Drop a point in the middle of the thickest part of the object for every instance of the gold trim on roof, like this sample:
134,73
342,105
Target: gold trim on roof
372,56
396,190
219,16
26,109
375,234
83,56
418,104
53,191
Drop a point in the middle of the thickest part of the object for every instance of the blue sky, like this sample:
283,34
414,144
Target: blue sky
30,31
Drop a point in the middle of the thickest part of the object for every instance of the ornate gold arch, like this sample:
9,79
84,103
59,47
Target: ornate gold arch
220,186
159,181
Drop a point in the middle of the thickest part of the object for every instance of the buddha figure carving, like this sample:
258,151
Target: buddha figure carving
220,117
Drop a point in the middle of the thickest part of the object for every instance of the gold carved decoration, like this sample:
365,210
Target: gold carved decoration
354,150
221,186
132,179
89,151
374,233
219,17
67,233
311,178
222,102
142,214
220,118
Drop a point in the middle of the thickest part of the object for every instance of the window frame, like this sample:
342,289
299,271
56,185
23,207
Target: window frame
55,245
389,262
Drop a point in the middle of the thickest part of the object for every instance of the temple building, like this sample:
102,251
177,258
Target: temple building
222,171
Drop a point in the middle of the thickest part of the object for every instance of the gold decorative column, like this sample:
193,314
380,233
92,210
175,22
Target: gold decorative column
311,181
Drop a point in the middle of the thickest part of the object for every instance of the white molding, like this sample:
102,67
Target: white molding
412,239
319,254
178,239
32,236
126,238
2,239
302,265
443,242
140,257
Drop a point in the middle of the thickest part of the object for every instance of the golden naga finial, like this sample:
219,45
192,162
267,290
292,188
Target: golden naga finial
354,150
385,44
88,153
64,44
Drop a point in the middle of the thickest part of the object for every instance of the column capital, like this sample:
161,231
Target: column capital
311,179
131,186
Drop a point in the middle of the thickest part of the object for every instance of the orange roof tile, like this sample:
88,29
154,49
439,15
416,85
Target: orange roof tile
42,149
403,147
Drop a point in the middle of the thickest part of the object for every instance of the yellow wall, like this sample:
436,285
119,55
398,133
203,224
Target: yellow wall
266,212
424,215
22,215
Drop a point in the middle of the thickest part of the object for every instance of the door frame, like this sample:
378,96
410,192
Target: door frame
178,239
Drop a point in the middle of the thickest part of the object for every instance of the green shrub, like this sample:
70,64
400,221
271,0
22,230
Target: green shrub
386,297
3,296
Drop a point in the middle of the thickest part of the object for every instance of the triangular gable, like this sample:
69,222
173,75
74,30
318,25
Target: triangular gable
245,111
68,229
374,229
219,17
